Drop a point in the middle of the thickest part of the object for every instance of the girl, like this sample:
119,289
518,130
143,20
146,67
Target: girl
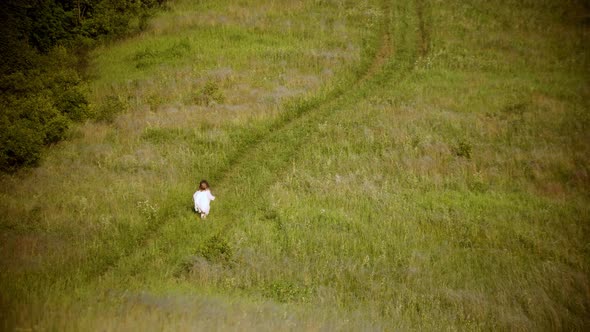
202,199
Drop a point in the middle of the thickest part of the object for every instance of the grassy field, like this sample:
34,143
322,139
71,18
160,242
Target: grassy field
378,165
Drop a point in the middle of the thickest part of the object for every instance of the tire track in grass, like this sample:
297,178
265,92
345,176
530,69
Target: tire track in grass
250,142
165,248
421,42
243,185
246,143
376,74
378,70
292,137
287,140
263,159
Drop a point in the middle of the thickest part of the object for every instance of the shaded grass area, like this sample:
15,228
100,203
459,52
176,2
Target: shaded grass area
444,189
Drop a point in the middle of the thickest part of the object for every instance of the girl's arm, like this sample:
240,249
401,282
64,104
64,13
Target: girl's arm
211,197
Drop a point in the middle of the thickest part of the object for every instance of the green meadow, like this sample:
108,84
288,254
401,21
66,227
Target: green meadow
378,165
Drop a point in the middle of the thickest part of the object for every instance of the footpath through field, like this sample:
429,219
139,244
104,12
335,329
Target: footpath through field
265,158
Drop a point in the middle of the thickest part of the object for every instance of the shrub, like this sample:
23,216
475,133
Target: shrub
28,123
73,104
109,108
216,249
56,129
463,149
144,58
44,45
285,291
209,94
20,145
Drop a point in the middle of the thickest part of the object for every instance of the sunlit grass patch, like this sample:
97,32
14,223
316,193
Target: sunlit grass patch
397,165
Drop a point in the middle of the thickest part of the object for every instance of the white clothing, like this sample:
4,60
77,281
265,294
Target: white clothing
202,200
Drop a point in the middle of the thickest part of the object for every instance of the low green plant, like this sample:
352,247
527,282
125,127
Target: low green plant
463,149
284,291
109,108
209,94
216,249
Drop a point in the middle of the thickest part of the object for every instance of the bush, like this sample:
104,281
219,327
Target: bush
109,108
28,123
73,104
216,249
43,45
20,145
209,94
463,149
56,129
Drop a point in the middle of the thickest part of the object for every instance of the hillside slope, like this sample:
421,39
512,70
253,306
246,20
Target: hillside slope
377,165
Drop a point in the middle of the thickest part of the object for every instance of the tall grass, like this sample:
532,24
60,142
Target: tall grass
396,165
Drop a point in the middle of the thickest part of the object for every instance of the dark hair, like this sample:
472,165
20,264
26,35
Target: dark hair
203,182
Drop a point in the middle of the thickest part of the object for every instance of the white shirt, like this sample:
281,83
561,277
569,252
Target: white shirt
202,200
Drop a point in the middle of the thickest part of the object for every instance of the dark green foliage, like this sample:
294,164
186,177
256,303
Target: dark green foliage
20,145
43,100
43,44
56,129
463,149
26,125
73,104
109,108
49,25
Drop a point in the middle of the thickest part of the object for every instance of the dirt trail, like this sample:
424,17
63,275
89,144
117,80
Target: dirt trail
286,138
267,154
251,153
274,152
267,159
386,48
